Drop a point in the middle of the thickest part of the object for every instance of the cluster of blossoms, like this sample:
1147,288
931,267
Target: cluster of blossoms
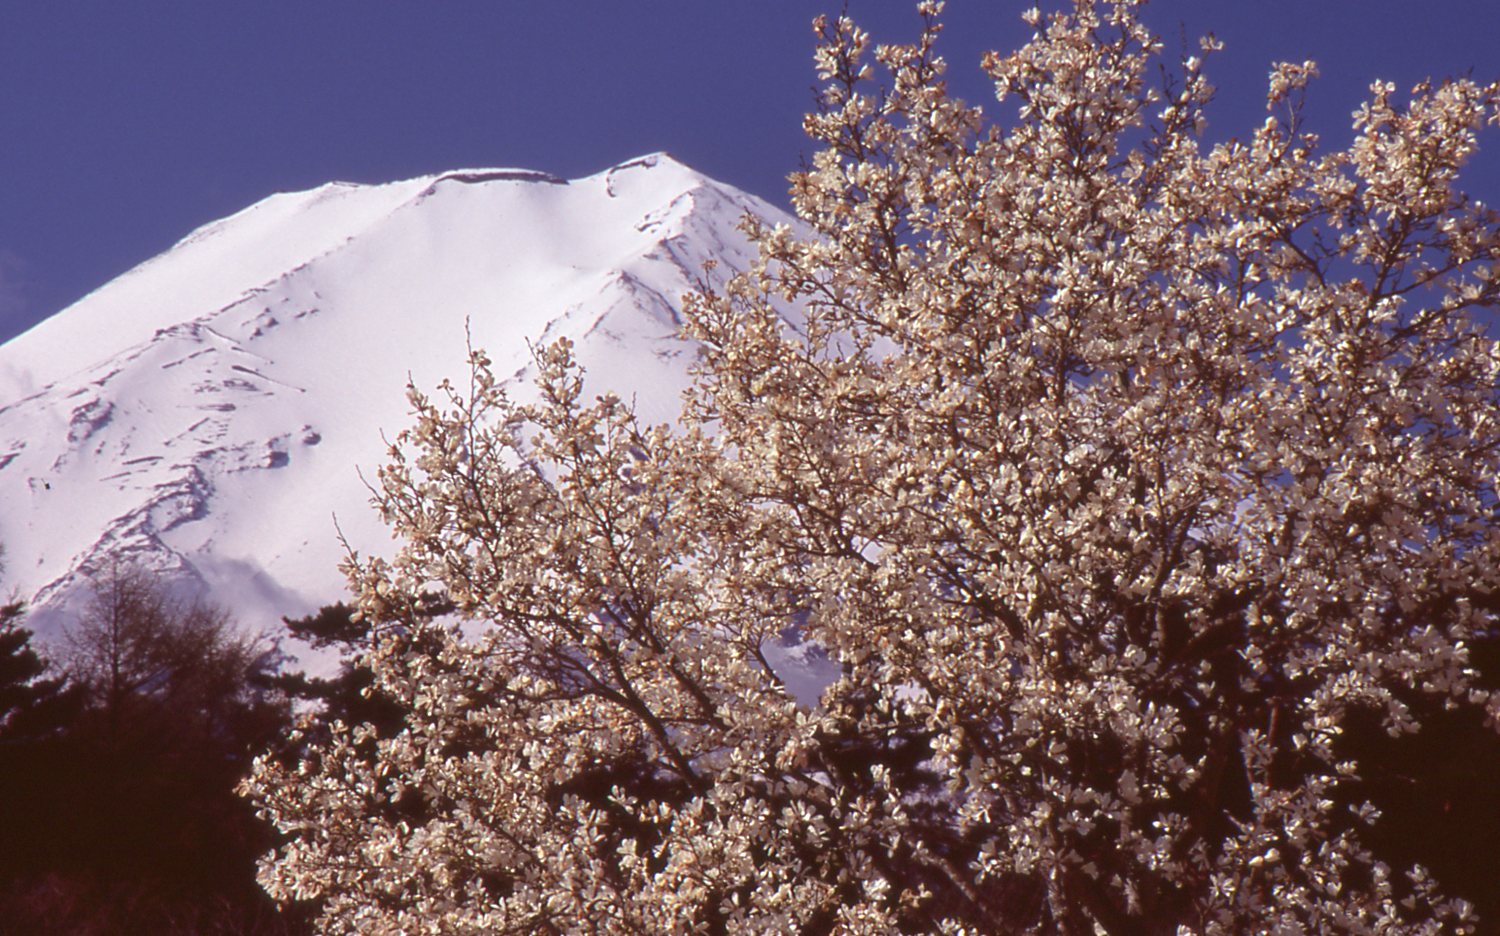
1113,470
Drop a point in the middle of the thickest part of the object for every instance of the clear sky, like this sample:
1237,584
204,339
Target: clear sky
123,125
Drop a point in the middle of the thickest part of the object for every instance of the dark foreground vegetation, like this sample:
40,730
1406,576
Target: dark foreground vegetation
120,758
119,764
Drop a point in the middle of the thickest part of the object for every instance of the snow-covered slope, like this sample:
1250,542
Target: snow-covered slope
209,412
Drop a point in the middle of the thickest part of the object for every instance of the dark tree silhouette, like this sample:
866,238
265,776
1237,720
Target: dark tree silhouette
33,706
127,819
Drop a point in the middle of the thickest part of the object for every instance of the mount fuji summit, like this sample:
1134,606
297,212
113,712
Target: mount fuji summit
211,414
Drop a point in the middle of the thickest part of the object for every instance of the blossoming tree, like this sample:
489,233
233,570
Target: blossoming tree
1112,469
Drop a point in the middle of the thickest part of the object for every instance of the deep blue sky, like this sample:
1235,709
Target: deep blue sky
125,125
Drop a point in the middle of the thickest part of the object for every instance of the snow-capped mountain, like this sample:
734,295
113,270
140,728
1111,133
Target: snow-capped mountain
209,413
